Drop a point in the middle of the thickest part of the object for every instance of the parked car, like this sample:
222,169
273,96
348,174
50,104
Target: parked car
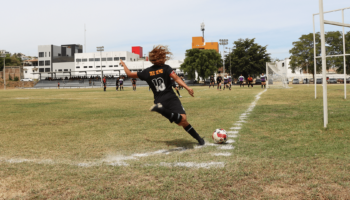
340,80
332,80
306,81
348,80
27,79
311,80
296,81
258,82
319,81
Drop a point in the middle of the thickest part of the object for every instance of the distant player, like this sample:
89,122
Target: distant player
218,81
241,79
166,102
230,81
250,80
133,81
104,83
121,82
58,85
212,81
174,84
183,79
226,82
117,84
263,79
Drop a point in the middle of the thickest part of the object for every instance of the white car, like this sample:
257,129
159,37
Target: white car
27,79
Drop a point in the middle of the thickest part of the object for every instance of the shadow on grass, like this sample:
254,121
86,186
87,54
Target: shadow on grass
187,144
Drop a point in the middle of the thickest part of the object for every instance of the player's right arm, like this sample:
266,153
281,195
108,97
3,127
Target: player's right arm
182,83
127,71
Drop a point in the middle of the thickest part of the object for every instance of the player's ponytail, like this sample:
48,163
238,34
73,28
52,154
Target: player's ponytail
159,55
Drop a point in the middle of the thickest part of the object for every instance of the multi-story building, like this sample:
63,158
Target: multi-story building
53,58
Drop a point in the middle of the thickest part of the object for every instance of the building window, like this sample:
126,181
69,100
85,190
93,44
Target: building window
91,60
59,70
90,66
47,69
26,71
134,59
49,54
59,54
41,69
41,54
77,67
84,60
130,59
97,66
122,58
66,70
77,60
103,66
116,58
110,59
111,66
45,54
85,66
103,59
97,59
41,63
47,63
115,65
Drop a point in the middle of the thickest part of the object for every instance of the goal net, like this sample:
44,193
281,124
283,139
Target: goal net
276,76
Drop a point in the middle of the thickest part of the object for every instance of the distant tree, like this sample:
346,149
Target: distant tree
10,60
303,52
206,62
247,58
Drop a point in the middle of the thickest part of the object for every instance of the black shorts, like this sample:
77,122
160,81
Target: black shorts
225,82
174,86
212,82
241,82
174,105
218,82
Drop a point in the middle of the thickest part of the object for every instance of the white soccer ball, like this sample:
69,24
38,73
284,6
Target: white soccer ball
219,136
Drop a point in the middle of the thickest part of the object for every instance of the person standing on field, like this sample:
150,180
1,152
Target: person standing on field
263,79
250,80
133,81
218,80
58,85
104,83
121,82
212,81
241,79
117,84
166,102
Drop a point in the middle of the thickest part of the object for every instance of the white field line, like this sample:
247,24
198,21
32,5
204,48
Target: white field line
194,165
222,154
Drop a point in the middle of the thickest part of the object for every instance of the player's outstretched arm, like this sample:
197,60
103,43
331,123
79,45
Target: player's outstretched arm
182,83
127,71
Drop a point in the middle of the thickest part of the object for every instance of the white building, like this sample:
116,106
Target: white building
87,64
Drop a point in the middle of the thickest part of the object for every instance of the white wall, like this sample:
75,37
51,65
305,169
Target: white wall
30,72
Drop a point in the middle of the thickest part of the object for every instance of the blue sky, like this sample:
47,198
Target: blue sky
118,25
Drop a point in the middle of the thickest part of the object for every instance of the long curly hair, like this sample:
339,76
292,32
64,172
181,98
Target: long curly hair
159,55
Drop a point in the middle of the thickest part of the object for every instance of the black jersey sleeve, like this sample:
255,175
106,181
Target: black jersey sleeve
142,75
168,70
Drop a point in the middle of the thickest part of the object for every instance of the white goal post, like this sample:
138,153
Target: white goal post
276,76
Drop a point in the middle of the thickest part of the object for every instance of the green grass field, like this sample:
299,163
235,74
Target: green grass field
90,144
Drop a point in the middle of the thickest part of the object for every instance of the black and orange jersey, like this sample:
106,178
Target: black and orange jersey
158,78
133,81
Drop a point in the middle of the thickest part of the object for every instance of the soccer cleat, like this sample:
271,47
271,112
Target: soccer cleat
201,141
156,108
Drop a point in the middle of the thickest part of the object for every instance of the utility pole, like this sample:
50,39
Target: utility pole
100,49
223,42
3,54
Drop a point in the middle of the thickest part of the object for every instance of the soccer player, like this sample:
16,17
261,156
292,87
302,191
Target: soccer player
230,81
166,102
183,79
263,79
241,78
250,80
58,85
226,82
104,83
174,85
133,81
121,82
212,81
218,81
117,84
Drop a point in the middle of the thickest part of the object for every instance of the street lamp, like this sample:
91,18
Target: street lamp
229,54
223,42
3,55
202,28
100,49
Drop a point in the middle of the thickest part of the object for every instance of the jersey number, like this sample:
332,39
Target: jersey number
158,84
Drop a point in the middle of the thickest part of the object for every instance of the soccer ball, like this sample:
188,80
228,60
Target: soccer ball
219,136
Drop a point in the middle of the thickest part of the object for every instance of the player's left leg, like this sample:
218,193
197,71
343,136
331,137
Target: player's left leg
179,119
